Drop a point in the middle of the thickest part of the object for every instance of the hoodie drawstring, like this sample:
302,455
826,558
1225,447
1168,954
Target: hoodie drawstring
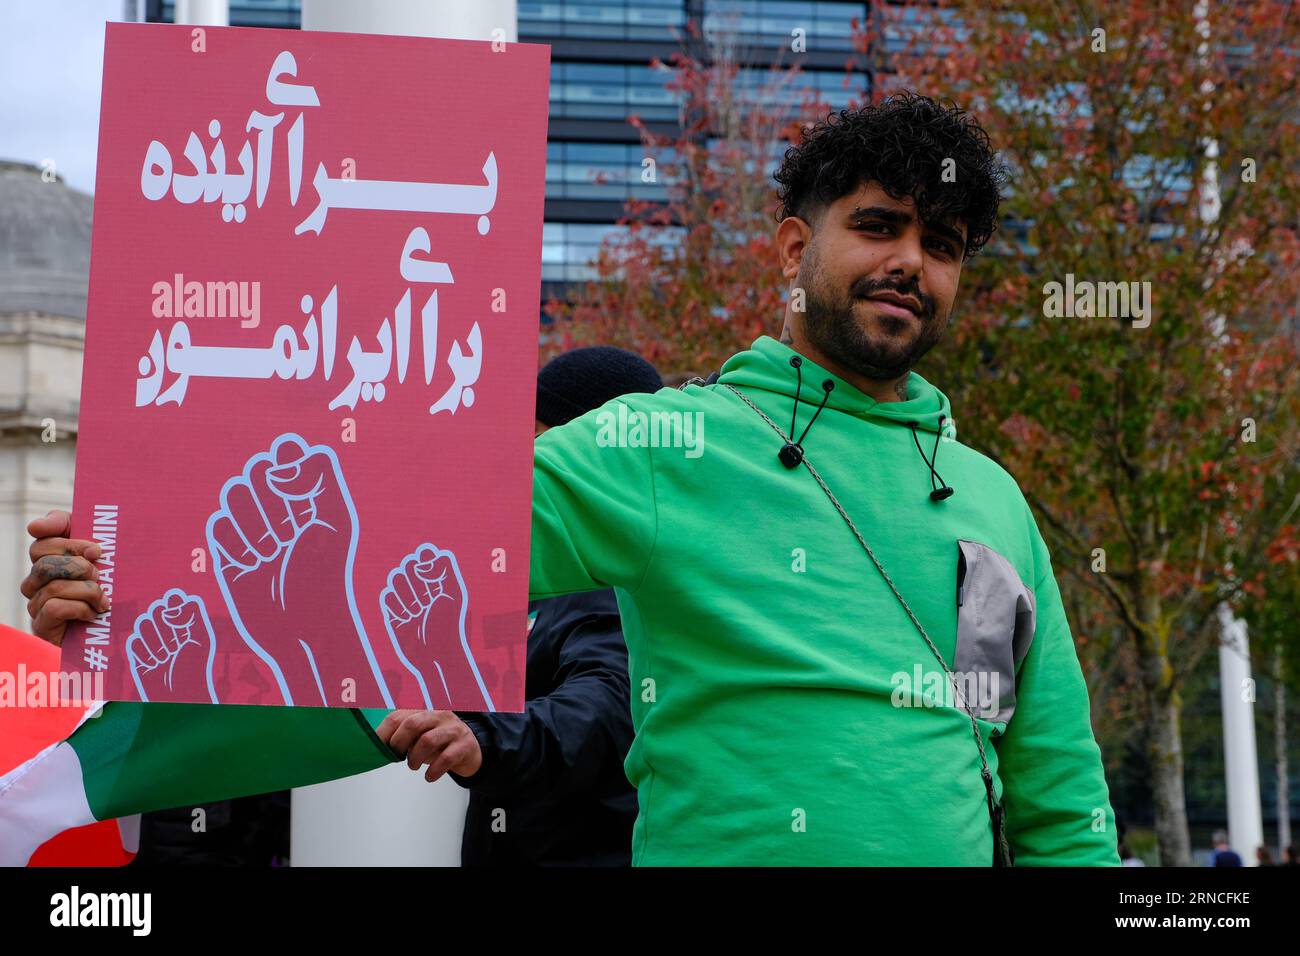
940,488
791,452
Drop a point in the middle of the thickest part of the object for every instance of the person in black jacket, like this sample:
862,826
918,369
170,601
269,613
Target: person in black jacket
551,789
547,786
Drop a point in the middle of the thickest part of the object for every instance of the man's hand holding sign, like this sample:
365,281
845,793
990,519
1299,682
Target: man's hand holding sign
63,584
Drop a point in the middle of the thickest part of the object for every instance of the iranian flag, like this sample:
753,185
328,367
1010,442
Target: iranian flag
60,799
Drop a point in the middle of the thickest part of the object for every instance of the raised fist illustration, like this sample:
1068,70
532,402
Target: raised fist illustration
424,606
283,544
171,650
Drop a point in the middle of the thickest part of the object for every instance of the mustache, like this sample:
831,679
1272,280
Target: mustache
869,287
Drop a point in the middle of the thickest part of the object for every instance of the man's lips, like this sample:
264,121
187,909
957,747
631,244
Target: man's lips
898,305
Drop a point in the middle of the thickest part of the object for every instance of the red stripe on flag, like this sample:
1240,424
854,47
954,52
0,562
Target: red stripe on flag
26,731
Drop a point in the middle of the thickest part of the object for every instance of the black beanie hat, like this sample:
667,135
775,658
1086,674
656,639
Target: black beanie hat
576,382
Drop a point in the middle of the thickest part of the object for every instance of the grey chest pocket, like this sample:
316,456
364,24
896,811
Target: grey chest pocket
995,626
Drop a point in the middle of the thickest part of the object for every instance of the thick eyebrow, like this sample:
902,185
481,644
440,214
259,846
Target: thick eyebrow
898,217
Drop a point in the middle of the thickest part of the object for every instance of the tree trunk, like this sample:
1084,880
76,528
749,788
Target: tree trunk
1165,751
1164,730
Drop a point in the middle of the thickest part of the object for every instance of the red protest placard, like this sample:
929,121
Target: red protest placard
311,349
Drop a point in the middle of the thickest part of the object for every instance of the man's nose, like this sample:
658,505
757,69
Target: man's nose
905,257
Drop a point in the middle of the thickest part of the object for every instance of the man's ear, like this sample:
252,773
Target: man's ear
792,238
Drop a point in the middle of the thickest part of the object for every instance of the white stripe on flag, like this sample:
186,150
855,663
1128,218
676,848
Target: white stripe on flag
39,800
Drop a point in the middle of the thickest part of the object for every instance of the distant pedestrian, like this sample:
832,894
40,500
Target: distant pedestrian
1223,855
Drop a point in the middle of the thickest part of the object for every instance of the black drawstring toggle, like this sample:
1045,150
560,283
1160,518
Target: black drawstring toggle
941,489
791,453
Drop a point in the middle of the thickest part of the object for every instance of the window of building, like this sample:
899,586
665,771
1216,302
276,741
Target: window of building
611,91
607,171
759,87
826,25
570,248
607,20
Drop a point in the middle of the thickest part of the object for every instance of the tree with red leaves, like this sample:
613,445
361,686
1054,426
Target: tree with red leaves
1159,452
1127,348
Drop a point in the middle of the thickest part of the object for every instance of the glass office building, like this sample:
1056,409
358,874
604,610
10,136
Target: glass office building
600,74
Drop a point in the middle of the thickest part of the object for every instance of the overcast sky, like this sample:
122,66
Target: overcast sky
51,58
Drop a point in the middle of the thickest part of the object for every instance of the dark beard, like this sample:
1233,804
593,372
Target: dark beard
830,326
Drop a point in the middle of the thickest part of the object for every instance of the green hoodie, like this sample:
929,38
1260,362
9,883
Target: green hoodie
785,705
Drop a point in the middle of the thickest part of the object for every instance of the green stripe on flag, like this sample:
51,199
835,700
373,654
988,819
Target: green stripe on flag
138,757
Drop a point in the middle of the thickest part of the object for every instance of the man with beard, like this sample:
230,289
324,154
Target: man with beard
846,645
788,708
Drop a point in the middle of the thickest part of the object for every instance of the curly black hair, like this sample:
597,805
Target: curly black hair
901,144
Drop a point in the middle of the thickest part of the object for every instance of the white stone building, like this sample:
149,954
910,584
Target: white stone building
44,271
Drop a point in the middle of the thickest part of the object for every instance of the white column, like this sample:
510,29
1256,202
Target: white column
208,13
388,817
1240,764
391,817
